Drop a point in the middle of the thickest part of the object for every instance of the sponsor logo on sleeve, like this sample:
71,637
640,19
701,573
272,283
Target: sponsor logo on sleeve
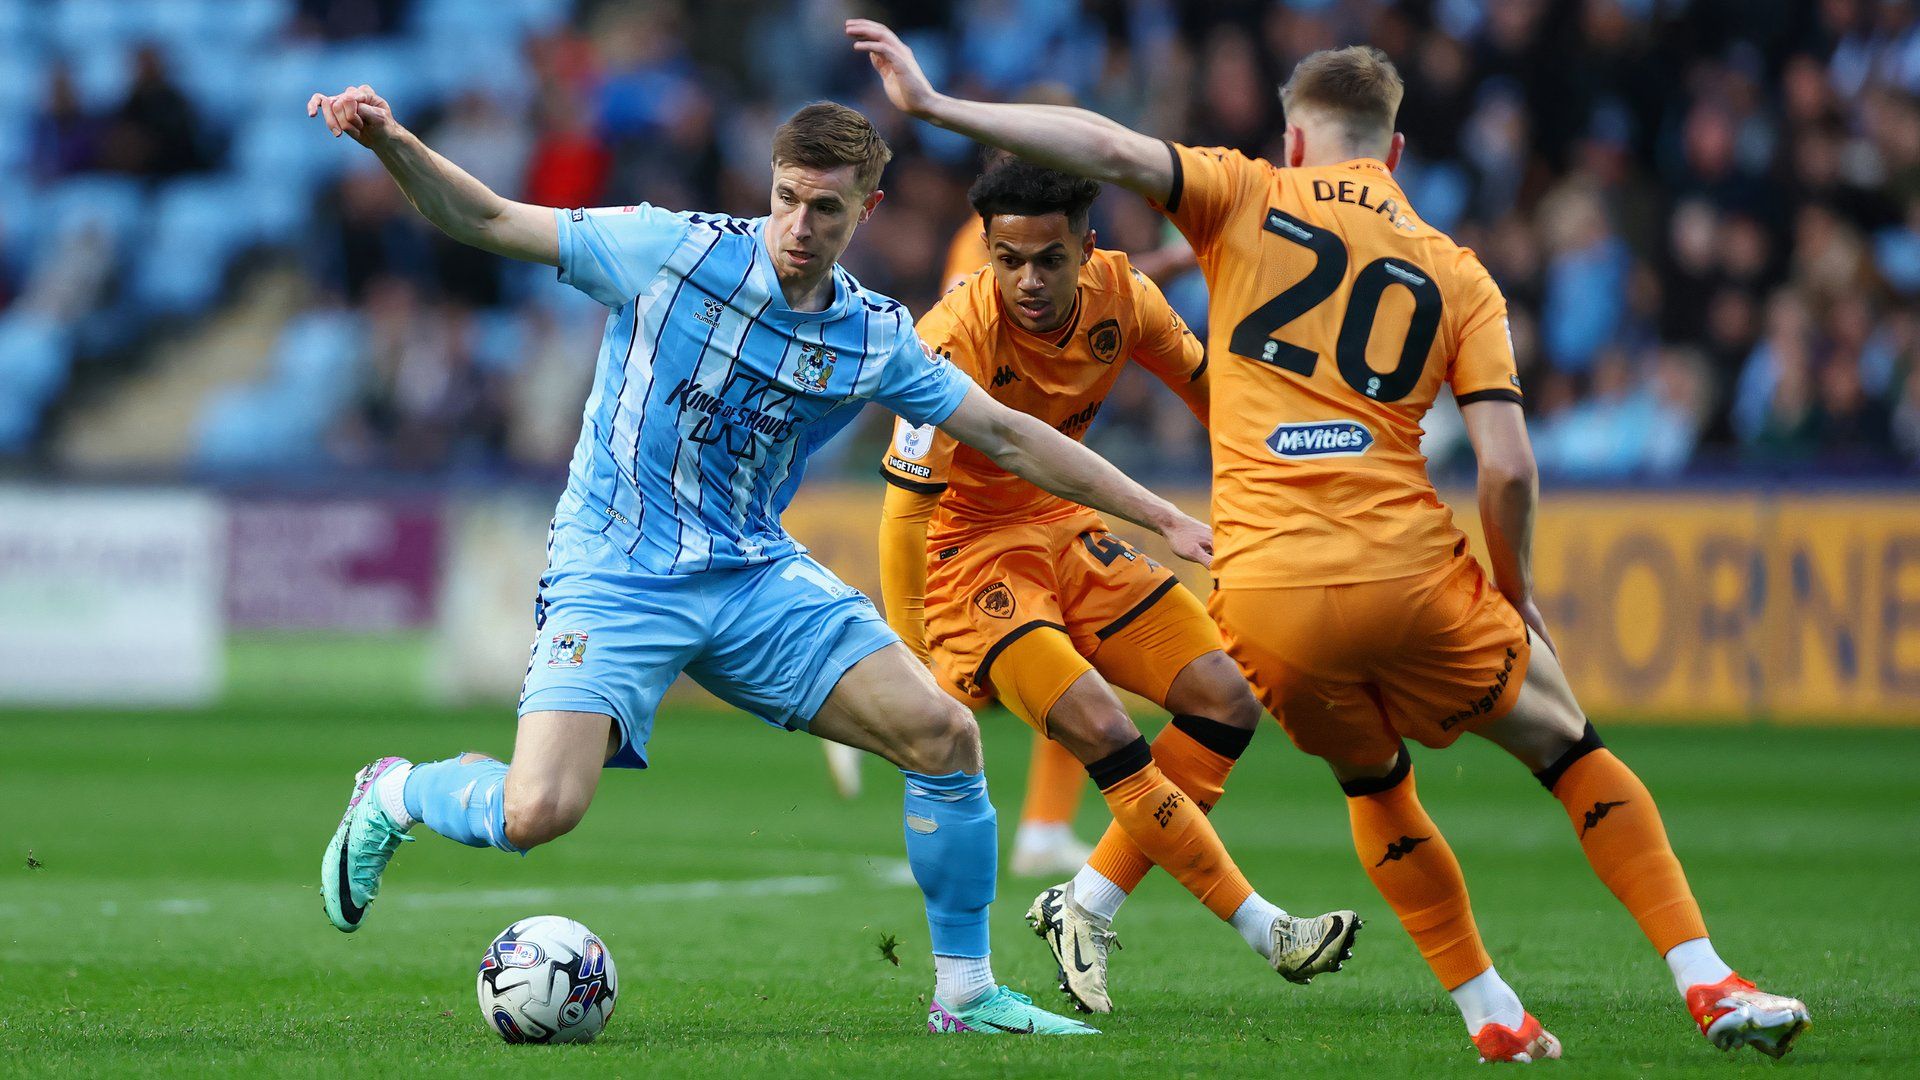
910,442
911,468
1321,439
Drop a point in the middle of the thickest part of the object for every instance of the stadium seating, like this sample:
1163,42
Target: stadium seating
280,422
34,357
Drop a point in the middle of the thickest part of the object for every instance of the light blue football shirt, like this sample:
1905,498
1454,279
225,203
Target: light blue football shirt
711,392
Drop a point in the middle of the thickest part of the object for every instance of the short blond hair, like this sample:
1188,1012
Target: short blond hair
828,135
1356,87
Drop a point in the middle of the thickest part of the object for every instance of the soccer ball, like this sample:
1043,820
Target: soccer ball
547,979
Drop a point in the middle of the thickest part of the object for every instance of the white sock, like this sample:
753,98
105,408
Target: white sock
1694,963
390,789
958,980
1254,919
1041,835
1487,999
1094,892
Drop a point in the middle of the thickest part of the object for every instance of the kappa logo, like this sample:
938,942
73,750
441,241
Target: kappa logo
1599,813
1401,848
1321,439
996,600
710,310
1104,339
567,649
814,368
1004,376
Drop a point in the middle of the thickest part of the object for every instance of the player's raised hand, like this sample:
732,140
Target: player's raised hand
907,86
1190,539
356,111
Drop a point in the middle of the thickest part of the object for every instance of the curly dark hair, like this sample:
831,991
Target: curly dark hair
1015,185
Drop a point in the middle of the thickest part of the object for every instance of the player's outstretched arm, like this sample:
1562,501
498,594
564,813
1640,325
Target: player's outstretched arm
1028,448
1509,487
444,193
1071,140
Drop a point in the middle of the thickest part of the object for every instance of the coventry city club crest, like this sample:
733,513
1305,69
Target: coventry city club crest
814,369
568,649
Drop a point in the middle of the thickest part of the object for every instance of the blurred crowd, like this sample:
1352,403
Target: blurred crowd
1705,214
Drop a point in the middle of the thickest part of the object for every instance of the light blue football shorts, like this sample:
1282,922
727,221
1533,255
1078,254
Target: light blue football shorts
610,637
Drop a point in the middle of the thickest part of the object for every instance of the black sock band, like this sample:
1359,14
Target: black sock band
1374,785
1122,763
1589,742
1223,739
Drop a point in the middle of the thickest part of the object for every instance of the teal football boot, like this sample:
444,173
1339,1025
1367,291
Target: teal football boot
362,845
1002,1012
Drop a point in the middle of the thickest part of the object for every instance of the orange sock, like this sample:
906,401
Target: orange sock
1620,830
1166,825
1055,780
1196,754
1414,869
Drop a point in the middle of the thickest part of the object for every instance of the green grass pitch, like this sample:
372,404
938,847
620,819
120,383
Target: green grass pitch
168,921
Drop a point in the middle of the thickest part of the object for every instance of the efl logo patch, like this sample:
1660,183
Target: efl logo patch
814,368
521,954
1104,340
1321,439
568,649
912,442
996,600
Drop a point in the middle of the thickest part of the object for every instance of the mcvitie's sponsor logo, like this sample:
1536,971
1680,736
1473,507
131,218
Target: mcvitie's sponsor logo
1321,438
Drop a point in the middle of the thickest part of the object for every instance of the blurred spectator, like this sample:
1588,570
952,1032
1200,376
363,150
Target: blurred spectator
339,20
155,132
569,164
1705,216
66,140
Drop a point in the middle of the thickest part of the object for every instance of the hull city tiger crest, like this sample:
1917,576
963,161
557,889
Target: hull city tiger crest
568,649
1104,340
814,368
996,600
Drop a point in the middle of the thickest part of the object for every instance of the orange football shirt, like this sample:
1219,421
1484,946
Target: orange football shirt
1335,316
1061,377
966,252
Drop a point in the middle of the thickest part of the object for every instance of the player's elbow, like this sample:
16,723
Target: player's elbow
1509,476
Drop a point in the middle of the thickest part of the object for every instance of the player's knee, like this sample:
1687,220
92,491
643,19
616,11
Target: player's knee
1213,687
537,813
1095,732
945,739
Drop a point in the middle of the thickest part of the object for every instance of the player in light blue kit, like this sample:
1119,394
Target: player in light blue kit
736,347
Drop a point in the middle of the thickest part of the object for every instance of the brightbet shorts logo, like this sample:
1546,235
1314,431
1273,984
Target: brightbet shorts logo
1321,439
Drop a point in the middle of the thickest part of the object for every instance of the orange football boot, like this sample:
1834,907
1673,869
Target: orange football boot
1734,1012
1498,1042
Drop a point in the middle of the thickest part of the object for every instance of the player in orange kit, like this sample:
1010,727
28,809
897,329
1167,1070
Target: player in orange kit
1044,843
1012,591
1342,585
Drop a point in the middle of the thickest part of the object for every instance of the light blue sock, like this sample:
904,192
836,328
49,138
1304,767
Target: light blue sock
464,801
953,846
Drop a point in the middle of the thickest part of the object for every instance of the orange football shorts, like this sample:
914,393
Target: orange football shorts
1350,670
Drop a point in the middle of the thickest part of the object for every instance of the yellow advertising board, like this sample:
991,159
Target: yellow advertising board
1718,605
